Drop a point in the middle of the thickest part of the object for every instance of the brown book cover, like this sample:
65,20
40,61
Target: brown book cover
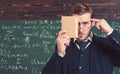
70,24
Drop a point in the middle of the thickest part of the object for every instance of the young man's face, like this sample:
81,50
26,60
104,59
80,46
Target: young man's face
84,26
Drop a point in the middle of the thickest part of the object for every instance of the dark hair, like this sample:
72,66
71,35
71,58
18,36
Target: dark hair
80,9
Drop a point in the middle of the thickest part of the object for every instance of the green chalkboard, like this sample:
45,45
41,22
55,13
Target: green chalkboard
27,45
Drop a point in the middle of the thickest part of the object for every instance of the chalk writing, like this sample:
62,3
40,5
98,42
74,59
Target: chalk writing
26,45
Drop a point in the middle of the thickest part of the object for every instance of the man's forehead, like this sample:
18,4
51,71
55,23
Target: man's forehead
83,17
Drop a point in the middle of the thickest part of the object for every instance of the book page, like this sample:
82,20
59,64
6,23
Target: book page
70,24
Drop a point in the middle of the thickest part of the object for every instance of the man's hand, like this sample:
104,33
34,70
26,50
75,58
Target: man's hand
62,42
102,25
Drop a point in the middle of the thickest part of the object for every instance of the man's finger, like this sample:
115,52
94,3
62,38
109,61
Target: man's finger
61,33
95,20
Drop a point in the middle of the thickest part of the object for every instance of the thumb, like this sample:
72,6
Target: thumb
98,26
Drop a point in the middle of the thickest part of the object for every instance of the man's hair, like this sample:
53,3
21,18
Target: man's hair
80,9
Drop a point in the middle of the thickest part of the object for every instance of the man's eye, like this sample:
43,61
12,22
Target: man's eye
85,23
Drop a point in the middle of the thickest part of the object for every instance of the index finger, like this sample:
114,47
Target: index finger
95,20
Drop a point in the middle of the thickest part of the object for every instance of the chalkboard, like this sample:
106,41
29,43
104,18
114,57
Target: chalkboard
27,45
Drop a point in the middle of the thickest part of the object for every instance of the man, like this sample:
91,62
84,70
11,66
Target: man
97,56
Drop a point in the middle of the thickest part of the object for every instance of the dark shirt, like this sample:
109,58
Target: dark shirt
82,62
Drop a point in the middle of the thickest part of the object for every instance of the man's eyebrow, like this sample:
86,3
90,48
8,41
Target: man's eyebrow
85,22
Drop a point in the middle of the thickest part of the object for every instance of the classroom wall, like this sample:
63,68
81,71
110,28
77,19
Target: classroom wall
39,9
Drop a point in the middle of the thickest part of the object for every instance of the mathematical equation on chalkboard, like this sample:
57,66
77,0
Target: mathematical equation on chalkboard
27,45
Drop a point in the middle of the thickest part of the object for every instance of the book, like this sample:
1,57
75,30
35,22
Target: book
70,24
